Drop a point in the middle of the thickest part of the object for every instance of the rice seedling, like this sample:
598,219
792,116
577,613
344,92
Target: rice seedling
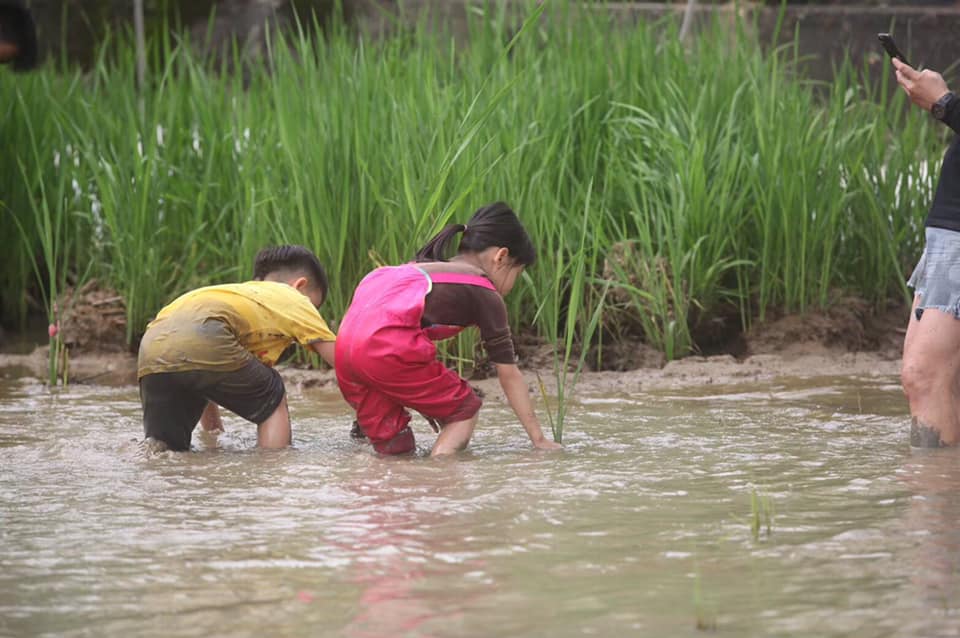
567,308
762,513
706,613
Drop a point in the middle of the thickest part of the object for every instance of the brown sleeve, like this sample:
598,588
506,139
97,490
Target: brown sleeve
467,305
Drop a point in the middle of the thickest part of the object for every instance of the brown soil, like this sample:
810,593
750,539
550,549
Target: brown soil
92,319
847,338
847,325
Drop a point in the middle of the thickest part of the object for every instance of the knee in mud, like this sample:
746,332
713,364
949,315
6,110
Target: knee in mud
402,442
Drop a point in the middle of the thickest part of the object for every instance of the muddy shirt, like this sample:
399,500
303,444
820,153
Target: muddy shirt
221,327
945,210
465,305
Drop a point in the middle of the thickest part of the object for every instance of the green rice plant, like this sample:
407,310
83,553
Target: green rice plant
798,183
679,167
762,513
717,177
44,227
706,613
573,275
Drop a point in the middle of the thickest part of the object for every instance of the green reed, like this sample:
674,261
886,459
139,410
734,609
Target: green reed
705,611
48,244
762,513
724,177
564,303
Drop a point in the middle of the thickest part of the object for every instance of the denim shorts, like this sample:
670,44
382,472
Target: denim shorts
936,279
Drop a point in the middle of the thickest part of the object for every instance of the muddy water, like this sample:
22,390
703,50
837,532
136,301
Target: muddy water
641,527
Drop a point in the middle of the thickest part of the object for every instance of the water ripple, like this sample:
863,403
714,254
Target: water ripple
653,516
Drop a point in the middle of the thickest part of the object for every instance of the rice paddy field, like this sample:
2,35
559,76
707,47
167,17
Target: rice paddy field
786,508
664,182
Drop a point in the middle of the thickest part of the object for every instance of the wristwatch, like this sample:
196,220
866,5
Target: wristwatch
942,106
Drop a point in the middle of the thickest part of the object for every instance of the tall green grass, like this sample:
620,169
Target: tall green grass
698,176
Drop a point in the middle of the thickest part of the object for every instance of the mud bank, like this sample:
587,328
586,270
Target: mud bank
846,339
118,369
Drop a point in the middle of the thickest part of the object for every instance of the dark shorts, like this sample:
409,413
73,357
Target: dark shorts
173,401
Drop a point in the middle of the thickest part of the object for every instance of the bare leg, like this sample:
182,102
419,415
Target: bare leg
931,377
454,436
210,420
211,425
275,431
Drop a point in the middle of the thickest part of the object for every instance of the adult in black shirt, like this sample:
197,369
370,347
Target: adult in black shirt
931,349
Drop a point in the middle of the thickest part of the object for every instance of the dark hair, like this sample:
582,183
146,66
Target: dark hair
294,259
492,225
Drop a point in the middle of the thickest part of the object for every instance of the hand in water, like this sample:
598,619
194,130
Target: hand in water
547,444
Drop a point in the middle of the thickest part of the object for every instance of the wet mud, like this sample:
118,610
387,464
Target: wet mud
847,339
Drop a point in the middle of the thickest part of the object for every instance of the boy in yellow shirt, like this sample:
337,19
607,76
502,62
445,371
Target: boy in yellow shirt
216,346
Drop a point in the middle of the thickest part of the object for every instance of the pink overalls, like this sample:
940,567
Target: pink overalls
385,360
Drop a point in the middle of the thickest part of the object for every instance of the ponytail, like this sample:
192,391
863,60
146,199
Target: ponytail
436,248
492,225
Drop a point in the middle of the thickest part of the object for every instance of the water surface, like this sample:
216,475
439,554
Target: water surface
642,526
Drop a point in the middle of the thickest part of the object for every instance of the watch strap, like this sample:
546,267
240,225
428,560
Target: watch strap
941,108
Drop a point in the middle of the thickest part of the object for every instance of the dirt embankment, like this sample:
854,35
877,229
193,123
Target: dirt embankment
846,339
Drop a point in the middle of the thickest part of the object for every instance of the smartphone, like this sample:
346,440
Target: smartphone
891,47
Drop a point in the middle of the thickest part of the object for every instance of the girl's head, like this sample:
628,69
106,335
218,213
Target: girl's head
495,236
293,265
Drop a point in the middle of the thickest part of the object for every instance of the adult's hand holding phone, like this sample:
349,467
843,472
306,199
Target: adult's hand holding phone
924,87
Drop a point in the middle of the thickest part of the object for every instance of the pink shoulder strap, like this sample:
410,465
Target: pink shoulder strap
461,278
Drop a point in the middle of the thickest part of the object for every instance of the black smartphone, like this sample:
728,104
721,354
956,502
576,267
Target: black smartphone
891,47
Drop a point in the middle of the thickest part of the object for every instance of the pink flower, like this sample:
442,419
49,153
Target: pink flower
53,329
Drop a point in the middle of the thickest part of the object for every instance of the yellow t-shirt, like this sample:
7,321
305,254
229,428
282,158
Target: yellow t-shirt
221,327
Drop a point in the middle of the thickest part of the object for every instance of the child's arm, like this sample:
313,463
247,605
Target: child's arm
514,386
325,349
210,419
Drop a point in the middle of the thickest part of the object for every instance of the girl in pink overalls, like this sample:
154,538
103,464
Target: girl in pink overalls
386,358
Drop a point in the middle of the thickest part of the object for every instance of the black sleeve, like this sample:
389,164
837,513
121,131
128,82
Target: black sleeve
952,118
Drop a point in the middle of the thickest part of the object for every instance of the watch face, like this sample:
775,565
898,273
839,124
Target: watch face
939,108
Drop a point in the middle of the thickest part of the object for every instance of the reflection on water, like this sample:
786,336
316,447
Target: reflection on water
641,527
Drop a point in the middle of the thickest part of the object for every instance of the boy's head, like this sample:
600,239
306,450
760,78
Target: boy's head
293,265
